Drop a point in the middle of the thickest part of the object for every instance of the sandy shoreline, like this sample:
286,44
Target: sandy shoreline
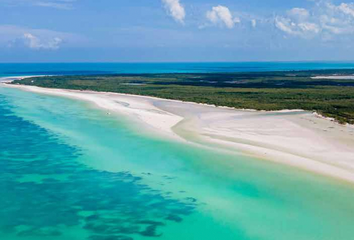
136,107
297,138
13,78
337,77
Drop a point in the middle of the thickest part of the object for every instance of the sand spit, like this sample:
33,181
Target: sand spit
297,138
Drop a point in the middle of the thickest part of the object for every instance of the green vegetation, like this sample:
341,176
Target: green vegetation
261,91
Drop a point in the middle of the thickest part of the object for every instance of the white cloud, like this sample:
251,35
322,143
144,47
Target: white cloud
35,43
299,13
36,39
221,15
303,29
324,20
338,19
346,8
175,9
285,25
309,27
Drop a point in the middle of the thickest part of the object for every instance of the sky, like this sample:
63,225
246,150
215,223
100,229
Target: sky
176,30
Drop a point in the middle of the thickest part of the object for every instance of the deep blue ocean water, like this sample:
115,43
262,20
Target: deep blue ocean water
18,69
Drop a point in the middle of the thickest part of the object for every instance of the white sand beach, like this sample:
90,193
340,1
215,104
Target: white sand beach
136,107
338,77
297,138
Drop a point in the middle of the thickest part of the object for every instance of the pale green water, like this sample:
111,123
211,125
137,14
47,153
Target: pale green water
72,172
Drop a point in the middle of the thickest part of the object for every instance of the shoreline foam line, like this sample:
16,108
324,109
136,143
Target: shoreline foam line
295,138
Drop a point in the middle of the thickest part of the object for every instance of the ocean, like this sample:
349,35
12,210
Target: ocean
69,171
25,69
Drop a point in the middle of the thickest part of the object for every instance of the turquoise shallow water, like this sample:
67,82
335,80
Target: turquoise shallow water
69,171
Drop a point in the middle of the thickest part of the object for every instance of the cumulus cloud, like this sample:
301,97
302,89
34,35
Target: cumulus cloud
344,7
297,22
325,20
221,15
175,10
303,29
338,19
35,43
299,13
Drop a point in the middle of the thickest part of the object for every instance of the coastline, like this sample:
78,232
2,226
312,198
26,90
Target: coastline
292,137
13,78
135,107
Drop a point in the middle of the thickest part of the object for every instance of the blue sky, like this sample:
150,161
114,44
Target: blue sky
175,30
